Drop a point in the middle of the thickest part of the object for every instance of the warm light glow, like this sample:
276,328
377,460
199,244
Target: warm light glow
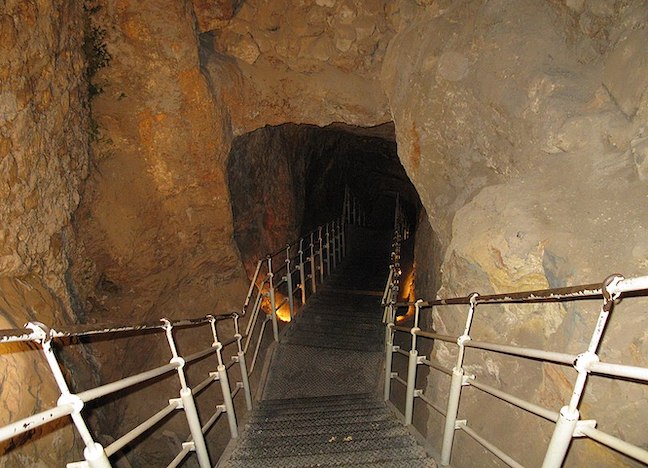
283,312
408,294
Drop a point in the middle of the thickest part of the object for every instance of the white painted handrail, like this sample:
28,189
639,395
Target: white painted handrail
568,423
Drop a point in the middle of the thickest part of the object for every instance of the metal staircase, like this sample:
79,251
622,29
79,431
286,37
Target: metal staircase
321,404
341,430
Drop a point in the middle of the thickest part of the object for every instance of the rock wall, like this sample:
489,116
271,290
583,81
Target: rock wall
43,161
302,62
522,126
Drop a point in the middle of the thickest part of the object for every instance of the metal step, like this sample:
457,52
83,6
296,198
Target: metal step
337,446
331,434
341,421
290,411
319,415
288,431
361,458
317,401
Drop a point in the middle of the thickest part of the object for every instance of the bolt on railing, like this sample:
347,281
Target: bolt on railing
567,422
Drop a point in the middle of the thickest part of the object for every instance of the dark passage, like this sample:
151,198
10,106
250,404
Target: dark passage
321,404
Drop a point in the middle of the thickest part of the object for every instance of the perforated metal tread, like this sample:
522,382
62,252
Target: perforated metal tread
288,431
328,435
335,431
414,455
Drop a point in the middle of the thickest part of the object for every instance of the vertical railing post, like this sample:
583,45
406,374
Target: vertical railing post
321,254
333,245
302,273
241,360
340,239
226,391
328,250
289,282
273,301
411,368
569,414
343,237
389,353
313,264
455,387
188,403
93,452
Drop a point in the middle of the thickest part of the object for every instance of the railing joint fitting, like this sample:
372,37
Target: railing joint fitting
459,423
178,361
177,402
239,385
463,339
222,408
393,375
395,348
420,359
71,399
418,393
465,380
189,445
235,359
584,360
585,423
215,375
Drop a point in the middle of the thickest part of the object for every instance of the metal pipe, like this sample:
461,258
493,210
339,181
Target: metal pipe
400,380
302,272
343,238
455,386
432,405
246,380
560,358
36,420
227,397
191,413
436,366
95,456
451,415
519,402
333,256
210,422
179,457
321,254
619,370
328,250
389,350
489,446
103,390
93,452
204,384
258,345
313,268
252,285
291,299
617,444
411,386
134,433
561,438
273,304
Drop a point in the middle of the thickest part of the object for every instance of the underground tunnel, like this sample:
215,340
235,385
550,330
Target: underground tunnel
152,154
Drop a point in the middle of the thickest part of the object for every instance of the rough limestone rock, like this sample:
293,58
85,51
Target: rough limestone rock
524,136
298,62
43,160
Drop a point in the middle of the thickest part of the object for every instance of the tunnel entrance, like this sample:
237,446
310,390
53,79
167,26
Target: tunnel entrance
287,180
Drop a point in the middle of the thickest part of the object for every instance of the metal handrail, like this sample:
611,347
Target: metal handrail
567,422
313,256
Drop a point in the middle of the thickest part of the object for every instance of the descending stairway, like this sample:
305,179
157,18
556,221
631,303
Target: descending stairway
320,404
351,431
